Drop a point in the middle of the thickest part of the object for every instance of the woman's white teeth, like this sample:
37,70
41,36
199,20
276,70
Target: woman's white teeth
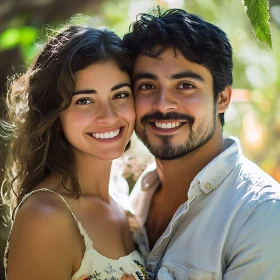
167,125
106,135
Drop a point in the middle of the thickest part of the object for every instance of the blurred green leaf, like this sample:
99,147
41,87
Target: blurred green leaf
28,35
258,13
29,52
23,36
9,38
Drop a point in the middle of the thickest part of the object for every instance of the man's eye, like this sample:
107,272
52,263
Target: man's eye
121,95
146,86
83,101
186,86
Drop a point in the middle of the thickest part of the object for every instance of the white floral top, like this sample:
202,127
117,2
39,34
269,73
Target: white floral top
95,266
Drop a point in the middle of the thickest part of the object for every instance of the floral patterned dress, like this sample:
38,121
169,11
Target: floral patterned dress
95,266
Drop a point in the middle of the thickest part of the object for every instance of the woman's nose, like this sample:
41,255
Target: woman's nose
107,114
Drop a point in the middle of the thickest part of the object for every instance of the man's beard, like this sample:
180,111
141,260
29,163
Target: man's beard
169,151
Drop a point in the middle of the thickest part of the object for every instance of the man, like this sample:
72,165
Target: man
203,211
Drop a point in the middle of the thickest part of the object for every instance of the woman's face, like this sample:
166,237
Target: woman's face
100,120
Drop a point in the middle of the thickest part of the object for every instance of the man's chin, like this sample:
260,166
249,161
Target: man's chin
165,152
167,158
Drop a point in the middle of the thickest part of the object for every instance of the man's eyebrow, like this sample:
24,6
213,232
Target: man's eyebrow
184,74
187,74
144,75
84,91
120,86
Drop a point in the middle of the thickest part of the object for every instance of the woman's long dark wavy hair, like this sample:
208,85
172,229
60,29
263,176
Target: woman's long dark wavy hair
35,99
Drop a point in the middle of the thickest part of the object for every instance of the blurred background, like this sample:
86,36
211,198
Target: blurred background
254,114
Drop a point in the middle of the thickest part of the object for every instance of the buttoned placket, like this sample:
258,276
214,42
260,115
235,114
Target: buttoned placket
154,261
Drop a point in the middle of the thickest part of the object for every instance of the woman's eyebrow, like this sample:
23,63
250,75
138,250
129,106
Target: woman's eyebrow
93,91
120,86
84,91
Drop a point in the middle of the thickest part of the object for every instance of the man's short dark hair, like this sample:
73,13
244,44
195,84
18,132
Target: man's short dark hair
199,41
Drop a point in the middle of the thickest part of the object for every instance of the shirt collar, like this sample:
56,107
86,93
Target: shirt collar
209,178
214,173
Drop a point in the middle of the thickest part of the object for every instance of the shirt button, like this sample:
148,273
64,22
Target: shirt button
145,186
207,187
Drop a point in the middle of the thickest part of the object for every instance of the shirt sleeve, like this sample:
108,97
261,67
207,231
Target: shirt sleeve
256,252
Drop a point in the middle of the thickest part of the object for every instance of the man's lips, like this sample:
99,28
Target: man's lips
168,126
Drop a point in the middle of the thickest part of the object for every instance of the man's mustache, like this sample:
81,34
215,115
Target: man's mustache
158,116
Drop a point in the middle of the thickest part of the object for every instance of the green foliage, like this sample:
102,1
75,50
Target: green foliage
9,38
23,37
258,13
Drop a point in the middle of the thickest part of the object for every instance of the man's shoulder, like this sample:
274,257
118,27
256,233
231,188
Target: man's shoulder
246,188
258,181
253,174
246,176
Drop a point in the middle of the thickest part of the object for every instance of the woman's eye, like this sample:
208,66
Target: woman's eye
146,86
186,86
121,95
83,101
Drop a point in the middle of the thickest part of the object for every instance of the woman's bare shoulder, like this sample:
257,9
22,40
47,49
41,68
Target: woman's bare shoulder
43,206
40,238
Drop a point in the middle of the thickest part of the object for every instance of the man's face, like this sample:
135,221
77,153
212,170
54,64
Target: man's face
174,102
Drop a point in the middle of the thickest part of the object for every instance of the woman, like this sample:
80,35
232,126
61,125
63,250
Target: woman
72,113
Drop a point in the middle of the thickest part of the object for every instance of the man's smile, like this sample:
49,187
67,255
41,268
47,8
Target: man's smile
166,126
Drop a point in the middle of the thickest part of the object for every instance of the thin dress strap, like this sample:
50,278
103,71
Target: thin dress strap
87,240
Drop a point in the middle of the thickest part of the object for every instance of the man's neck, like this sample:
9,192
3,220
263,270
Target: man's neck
175,178
177,175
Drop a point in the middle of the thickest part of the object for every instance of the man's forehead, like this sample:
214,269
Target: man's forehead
160,54
145,63
168,63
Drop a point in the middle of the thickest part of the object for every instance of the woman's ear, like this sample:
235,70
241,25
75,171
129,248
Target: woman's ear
224,99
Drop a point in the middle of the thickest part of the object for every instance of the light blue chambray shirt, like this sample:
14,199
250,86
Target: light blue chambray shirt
229,228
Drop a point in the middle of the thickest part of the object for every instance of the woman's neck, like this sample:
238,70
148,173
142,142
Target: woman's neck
93,176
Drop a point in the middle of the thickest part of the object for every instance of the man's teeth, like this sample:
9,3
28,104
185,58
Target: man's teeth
106,135
167,125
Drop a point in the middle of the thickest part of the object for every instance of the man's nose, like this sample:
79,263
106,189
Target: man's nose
165,101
